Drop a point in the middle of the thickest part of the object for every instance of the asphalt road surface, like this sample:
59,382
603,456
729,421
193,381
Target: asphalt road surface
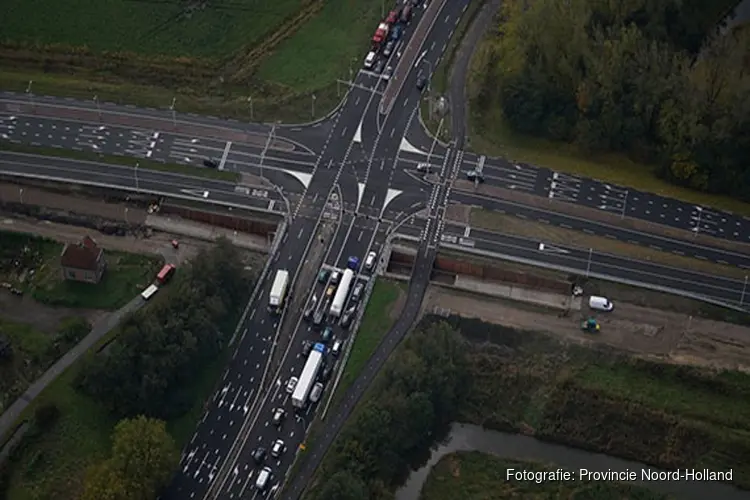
355,170
584,261
594,228
140,179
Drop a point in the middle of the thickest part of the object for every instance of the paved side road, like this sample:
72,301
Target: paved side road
101,328
459,72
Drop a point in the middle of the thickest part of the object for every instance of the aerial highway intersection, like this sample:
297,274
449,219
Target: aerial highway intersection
344,185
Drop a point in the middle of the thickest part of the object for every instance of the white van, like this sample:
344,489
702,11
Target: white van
264,477
316,392
600,303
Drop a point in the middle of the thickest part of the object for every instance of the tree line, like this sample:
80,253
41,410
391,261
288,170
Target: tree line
148,370
648,78
418,393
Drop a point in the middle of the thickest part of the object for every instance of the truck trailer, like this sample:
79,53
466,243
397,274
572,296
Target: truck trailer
278,290
308,376
341,293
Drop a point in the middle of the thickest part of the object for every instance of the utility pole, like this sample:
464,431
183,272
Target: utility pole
174,113
30,94
265,149
98,108
588,264
313,106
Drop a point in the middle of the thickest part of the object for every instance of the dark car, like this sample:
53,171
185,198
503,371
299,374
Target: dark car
421,82
379,66
395,33
323,276
210,163
327,334
306,347
473,175
259,454
326,374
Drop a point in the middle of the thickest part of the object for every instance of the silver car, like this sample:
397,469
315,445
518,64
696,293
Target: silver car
316,392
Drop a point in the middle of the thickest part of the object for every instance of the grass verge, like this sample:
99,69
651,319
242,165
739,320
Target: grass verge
378,319
547,233
479,476
126,275
127,161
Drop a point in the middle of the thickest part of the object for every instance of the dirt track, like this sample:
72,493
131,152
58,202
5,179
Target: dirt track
652,333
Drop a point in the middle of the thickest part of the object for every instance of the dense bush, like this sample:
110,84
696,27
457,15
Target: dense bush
418,393
46,415
160,349
609,76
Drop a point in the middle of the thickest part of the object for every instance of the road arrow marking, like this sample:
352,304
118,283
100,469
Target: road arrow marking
199,193
547,248
358,133
360,193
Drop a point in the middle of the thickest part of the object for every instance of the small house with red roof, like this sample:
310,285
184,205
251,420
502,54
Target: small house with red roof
83,261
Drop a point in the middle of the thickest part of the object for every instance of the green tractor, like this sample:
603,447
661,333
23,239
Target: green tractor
590,325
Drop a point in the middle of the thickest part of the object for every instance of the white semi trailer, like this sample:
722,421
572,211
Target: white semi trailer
307,378
342,292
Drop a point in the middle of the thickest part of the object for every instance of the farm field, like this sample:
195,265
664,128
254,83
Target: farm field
182,29
213,57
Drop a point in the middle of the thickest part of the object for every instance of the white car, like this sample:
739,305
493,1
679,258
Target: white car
291,385
278,448
370,260
316,392
388,73
370,59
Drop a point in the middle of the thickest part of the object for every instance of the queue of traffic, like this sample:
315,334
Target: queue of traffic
341,292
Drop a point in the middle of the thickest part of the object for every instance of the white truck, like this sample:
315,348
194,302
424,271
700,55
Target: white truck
342,292
309,373
278,290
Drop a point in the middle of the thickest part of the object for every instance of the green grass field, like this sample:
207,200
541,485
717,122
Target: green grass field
478,476
376,322
175,28
325,47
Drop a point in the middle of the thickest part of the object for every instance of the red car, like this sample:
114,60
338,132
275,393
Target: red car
392,17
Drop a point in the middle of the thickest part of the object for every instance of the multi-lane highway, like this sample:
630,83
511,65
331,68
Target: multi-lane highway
355,178
584,261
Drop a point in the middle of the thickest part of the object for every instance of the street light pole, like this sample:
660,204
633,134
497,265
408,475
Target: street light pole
588,264
20,194
135,173
313,106
250,100
174,113
744,288
98,108
625,203
30,94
